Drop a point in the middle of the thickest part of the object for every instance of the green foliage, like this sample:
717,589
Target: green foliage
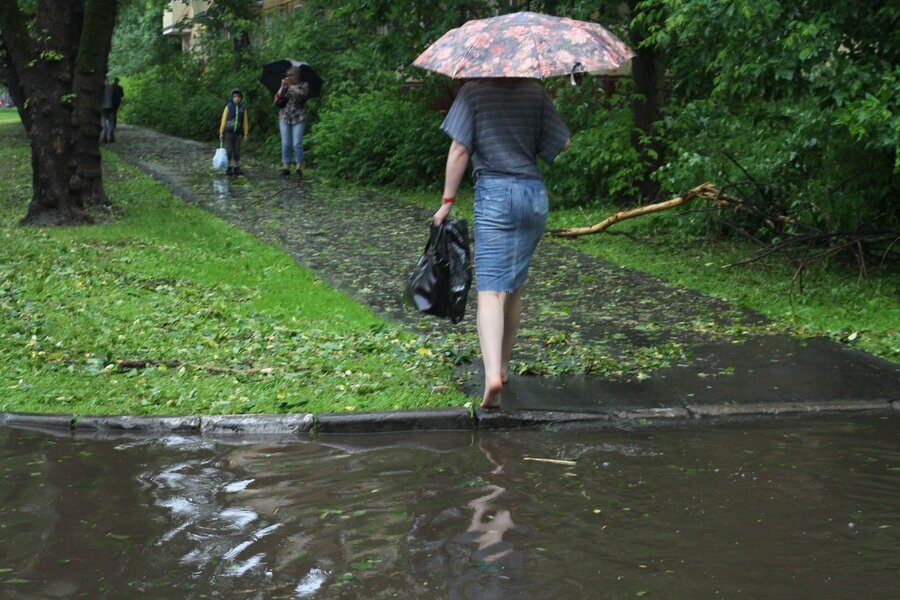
832,302
186,96
381,138
803,95
173,285
790,105
601,165
137,43
786,157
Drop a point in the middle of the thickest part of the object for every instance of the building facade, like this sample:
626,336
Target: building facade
178,20
179,17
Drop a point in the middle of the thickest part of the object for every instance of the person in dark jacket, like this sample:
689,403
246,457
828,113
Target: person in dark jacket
112,99
233,128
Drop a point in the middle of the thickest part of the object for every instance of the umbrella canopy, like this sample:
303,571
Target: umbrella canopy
524,44
273,73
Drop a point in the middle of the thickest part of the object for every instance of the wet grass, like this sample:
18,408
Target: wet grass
833,302
214,320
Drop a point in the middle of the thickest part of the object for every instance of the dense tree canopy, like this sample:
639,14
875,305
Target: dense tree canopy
789,105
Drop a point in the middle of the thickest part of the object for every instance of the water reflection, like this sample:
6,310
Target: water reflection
220,190
752,511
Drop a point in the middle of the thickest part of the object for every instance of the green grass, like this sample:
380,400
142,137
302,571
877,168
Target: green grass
834,301
206,304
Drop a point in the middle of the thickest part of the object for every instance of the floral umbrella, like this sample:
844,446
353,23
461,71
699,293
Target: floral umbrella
524,44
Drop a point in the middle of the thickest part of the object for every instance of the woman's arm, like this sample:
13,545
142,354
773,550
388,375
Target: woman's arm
457,161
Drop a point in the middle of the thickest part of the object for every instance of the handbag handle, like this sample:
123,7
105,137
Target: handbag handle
437,232
434,240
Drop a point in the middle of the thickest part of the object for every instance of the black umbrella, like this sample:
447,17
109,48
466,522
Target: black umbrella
274,72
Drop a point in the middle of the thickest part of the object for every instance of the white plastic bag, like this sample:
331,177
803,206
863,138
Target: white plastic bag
220,159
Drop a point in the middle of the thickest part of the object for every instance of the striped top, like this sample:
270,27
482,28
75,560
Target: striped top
505,124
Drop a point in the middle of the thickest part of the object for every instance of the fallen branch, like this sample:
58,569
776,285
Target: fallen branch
174,364
706,190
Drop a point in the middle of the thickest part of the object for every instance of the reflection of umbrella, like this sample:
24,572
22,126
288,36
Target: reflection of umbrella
273,73
524,44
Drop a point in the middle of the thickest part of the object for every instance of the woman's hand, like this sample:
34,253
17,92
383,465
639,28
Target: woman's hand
442,213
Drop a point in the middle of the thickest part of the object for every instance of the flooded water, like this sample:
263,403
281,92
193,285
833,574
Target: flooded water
788,509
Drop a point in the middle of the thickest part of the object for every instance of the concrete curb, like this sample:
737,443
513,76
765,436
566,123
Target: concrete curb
295,424
449,419
32,420
138,424
775,409
521,419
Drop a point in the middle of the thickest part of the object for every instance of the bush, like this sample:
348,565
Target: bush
601,166
787,158
381,139
186,96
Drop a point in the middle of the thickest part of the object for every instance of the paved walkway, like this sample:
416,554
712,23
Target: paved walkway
648,348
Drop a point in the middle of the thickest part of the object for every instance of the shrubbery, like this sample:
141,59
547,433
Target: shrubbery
381,138
785,158
782,138
186,97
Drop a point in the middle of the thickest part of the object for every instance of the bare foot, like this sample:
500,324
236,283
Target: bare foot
491,398
504,377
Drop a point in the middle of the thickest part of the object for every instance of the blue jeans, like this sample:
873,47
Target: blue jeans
291,137
510,218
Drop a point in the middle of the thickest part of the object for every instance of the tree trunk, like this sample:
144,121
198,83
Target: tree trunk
648,74
90,73
48,84
58,76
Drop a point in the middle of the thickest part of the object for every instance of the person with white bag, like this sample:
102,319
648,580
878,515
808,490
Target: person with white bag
233,128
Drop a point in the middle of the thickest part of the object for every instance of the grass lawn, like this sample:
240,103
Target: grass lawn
224,323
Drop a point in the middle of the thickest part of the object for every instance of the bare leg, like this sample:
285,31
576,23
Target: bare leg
512,314
490,335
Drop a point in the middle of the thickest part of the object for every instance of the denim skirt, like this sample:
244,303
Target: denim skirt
510,218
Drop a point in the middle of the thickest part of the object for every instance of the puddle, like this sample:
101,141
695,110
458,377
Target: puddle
756,511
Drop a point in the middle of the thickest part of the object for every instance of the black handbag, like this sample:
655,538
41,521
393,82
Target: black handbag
439,285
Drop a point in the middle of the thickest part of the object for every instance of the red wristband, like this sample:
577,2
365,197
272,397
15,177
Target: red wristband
448,200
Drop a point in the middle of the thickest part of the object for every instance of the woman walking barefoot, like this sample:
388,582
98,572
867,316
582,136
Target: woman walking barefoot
503,125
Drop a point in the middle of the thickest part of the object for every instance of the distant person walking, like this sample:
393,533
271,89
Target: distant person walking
503,125
291,99
233,128
112,100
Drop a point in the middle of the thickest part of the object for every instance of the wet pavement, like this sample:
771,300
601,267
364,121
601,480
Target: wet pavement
596,338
